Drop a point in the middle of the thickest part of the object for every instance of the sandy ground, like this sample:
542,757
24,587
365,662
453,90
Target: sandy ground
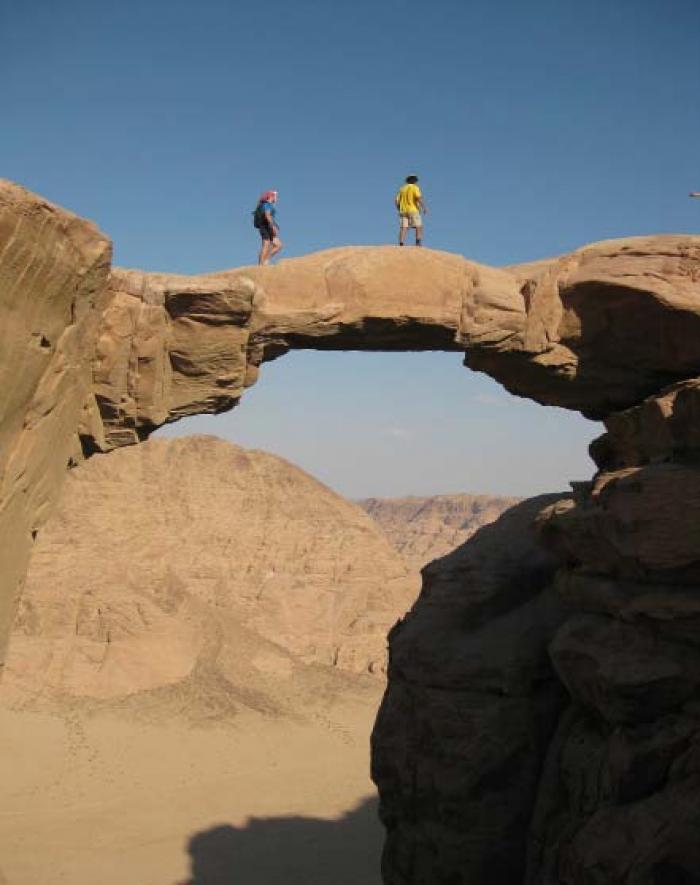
254,801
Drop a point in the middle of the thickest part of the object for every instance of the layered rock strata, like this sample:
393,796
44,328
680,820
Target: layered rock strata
423,529
53,274
196,565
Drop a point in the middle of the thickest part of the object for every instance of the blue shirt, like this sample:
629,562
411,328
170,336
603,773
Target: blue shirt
268,207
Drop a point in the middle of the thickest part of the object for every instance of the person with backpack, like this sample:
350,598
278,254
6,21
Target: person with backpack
264,221
410,203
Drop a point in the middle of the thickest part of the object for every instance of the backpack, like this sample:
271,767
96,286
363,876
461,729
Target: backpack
259,219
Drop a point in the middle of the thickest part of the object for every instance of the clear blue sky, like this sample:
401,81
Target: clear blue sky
534,127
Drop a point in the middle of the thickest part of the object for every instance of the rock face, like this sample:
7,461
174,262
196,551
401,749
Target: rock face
620,798
423,529
602,327
194,559
53,270
470,708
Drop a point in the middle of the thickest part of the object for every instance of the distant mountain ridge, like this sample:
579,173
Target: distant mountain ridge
423,529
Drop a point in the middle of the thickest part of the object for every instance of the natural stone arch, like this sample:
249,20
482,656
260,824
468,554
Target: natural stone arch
105,358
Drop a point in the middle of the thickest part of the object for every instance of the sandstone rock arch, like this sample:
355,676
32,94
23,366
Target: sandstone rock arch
95,358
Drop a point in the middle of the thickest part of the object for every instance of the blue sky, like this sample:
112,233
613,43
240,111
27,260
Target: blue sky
534,127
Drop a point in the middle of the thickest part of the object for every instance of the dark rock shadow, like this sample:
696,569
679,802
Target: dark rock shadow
290,851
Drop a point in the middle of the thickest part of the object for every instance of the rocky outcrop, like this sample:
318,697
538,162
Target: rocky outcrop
423,529
620,799
618,785
173,345
53,270
193,562
470,708
599,330
604,326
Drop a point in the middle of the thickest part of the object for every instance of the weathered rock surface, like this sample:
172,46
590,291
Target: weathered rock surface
618,794
470,708
53,270
557,331
599,331
423,529
176,345
195,560
620,798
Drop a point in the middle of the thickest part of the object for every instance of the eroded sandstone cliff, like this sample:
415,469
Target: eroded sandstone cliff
620,797
610,330
53,271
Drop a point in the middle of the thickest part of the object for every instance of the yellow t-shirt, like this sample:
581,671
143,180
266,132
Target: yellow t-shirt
407,198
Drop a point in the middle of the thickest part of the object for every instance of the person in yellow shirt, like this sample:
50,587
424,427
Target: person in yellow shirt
410,204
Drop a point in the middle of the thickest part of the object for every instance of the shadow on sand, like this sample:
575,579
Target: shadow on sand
290,851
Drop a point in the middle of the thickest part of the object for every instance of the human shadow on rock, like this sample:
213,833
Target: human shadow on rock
290,851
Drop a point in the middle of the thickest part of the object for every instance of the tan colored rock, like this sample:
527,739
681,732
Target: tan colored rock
53,267
619,798
169,346
194,559
631,525
598,330
423,529
605,326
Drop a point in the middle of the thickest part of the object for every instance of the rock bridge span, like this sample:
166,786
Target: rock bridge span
595,331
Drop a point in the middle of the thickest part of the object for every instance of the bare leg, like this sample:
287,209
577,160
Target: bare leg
264,255
276,246
419,236
402,234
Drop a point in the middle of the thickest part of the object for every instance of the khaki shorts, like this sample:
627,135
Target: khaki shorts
410,219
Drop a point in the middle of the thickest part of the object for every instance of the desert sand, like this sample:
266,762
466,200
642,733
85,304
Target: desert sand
255,800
